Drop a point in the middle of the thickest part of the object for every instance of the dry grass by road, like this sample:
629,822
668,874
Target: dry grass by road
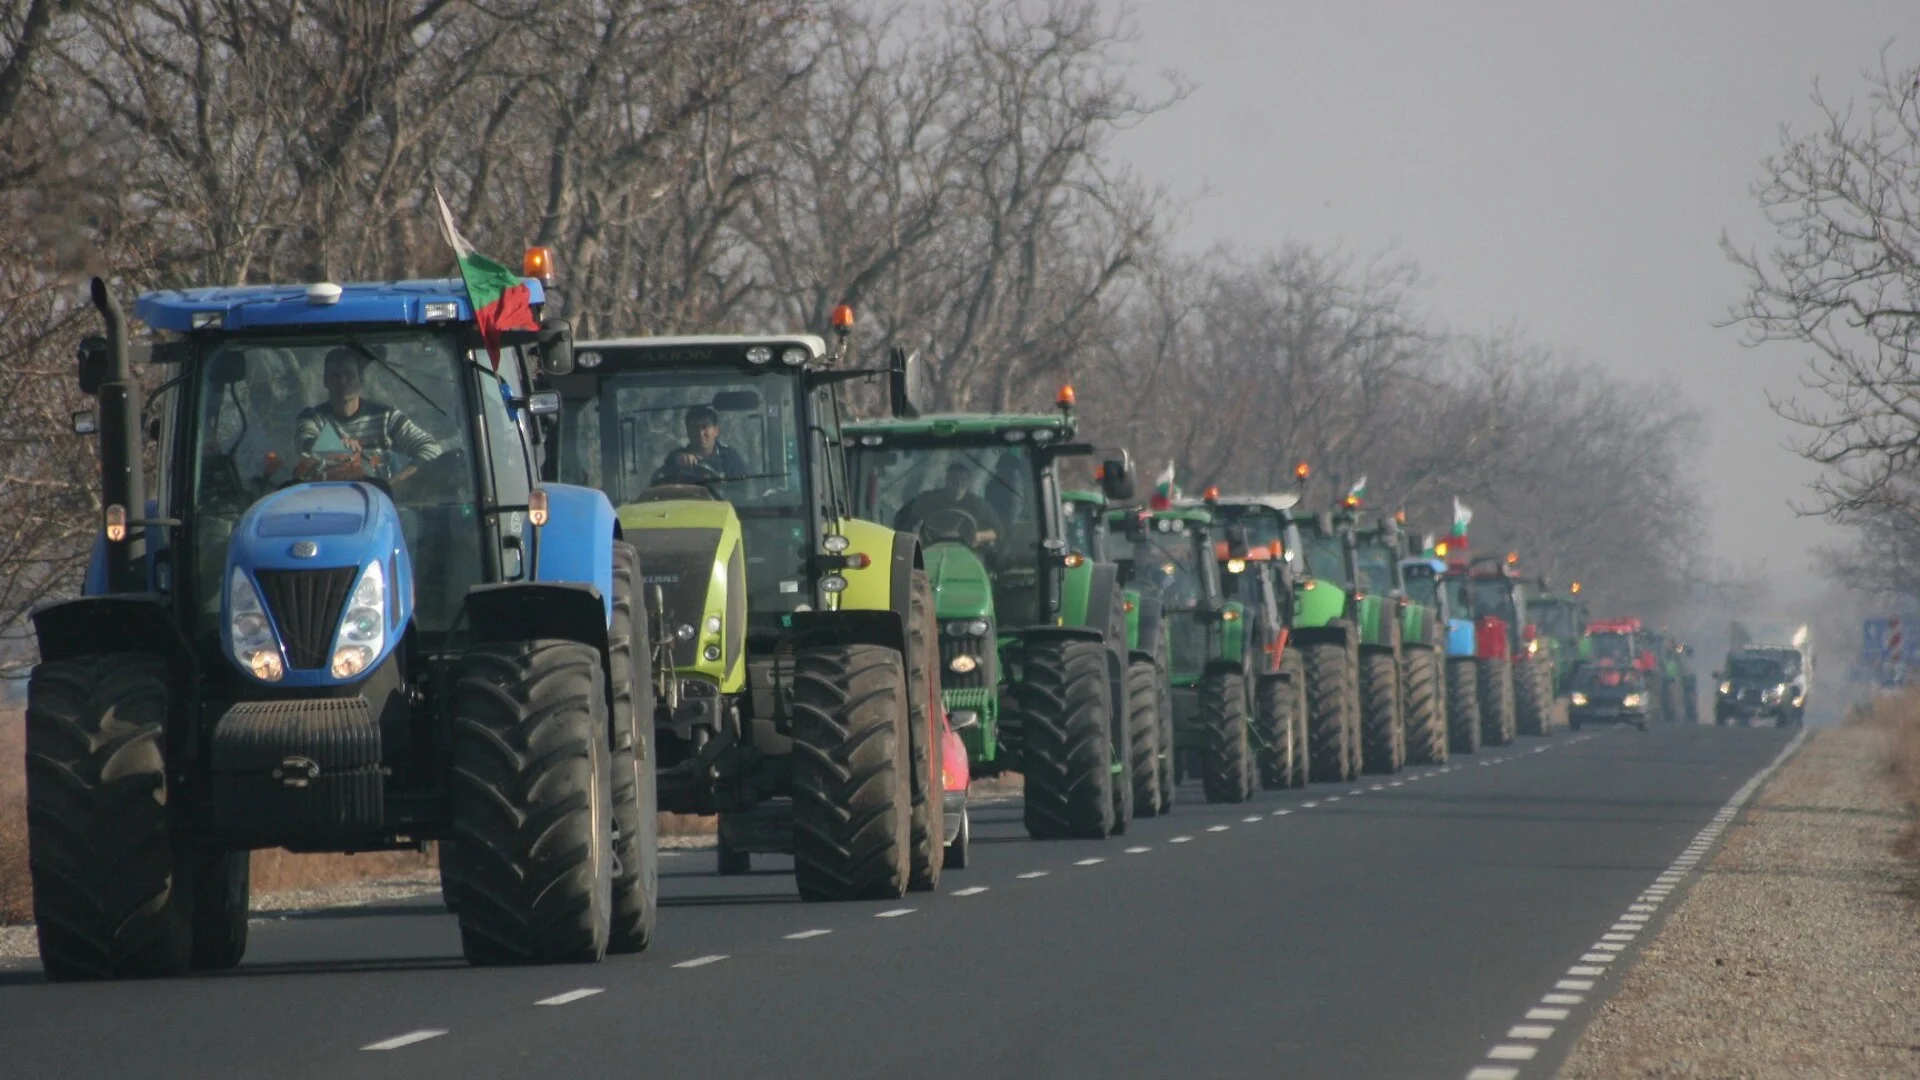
15,902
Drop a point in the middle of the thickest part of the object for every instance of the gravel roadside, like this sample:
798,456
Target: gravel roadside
1796,953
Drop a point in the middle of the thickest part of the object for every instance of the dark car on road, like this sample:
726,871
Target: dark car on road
1605,693
1760,686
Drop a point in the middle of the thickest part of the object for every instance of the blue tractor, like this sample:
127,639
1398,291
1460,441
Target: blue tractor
332,609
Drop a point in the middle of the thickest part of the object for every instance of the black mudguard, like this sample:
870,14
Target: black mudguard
1338,632
538,610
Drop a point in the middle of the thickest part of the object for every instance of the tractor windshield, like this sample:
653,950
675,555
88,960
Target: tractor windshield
733,432
1375,561
1456,587
1424,589
986,497
1325,557
387,408
1555,618
1171,565
1492,597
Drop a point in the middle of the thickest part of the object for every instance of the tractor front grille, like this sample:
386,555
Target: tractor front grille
306,605
981,649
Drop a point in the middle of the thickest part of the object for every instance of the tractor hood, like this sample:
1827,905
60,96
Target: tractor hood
304,551
962,588
691,550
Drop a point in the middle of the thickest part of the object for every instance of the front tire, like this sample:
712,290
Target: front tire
1063,710
1163,686
1274,709
110,897
1532,704
1332,699
1382,739
852,773
532,862
221,898
1226,765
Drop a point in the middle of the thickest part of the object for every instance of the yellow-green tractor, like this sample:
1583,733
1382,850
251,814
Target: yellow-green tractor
797,672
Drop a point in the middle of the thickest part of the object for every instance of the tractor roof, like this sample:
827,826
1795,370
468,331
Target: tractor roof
1614,626
610,354
967,427
1080,495
1198,516
1276,502
267,307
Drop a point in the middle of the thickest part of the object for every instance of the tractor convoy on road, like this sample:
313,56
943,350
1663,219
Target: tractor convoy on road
385,565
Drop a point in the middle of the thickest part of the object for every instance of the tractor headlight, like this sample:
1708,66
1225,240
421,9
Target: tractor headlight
1631,701
794,356
1726,687
713,624
1579,698
978,628
250,632
363,629
962,664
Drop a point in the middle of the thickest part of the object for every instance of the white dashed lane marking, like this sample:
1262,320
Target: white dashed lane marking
572,996
1138,850
894,913
1251,817
408,1039
805,934
1031,874
971,890
1180,840
1218,828
701,961
1090,862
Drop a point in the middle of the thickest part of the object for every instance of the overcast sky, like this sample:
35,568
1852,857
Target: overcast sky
1569,167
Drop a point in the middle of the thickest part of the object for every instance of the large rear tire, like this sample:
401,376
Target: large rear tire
1382,733
1464,722
852,773
1496,702
1143,735
1294,667
929,749
636,790
532,806
1226,753
110,899
1065,728
1426,716
1333,697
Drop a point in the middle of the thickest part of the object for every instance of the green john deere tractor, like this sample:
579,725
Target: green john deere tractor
1561,620
1350,631
1033,645
798,688
1266,531
1149,695
1214,674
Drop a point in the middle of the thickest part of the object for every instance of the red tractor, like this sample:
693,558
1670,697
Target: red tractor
1615,676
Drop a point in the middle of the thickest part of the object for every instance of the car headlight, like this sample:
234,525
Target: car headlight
962,664
1773,695
363,629
1579,698
1726,687
250,632
1631,701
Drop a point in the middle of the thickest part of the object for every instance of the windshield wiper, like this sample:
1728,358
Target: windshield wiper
361,347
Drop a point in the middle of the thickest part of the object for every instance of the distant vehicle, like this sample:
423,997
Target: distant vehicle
1774,634
1761,684
1608,693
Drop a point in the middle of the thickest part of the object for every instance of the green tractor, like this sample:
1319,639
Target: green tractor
1349,627
1562,620
798,670
1214,675
1088,533
1266,543
1033,646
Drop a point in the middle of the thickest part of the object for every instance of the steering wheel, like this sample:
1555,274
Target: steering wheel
949,525
680,472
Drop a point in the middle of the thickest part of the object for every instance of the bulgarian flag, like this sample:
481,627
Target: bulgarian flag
1462,517
499,297
1164,489
1355,492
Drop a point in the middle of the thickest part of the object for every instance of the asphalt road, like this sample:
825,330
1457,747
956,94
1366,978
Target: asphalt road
1396,927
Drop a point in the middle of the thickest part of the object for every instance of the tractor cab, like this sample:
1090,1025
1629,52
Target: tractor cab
1617,643
725,456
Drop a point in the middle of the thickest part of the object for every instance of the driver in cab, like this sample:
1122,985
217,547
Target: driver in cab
943,505
704,457
350,437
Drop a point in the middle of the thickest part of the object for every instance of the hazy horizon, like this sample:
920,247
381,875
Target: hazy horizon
1567,170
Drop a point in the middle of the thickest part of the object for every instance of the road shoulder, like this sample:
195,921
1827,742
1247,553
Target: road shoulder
1796,952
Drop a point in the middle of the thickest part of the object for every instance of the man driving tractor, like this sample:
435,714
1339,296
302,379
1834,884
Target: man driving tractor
704,457
951,510
349,437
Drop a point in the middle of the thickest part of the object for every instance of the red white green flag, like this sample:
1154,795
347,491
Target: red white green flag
499,297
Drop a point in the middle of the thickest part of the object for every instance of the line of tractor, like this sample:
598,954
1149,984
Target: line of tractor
375,573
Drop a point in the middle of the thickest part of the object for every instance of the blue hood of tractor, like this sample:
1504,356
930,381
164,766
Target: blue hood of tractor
1460,637
313,529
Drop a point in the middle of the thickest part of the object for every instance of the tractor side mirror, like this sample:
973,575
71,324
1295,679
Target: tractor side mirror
1116,478
94,362
906,383
556,347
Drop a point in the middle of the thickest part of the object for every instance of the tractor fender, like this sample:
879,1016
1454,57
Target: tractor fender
857,627
541,610
884,596
1338,632
127,623
575,546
